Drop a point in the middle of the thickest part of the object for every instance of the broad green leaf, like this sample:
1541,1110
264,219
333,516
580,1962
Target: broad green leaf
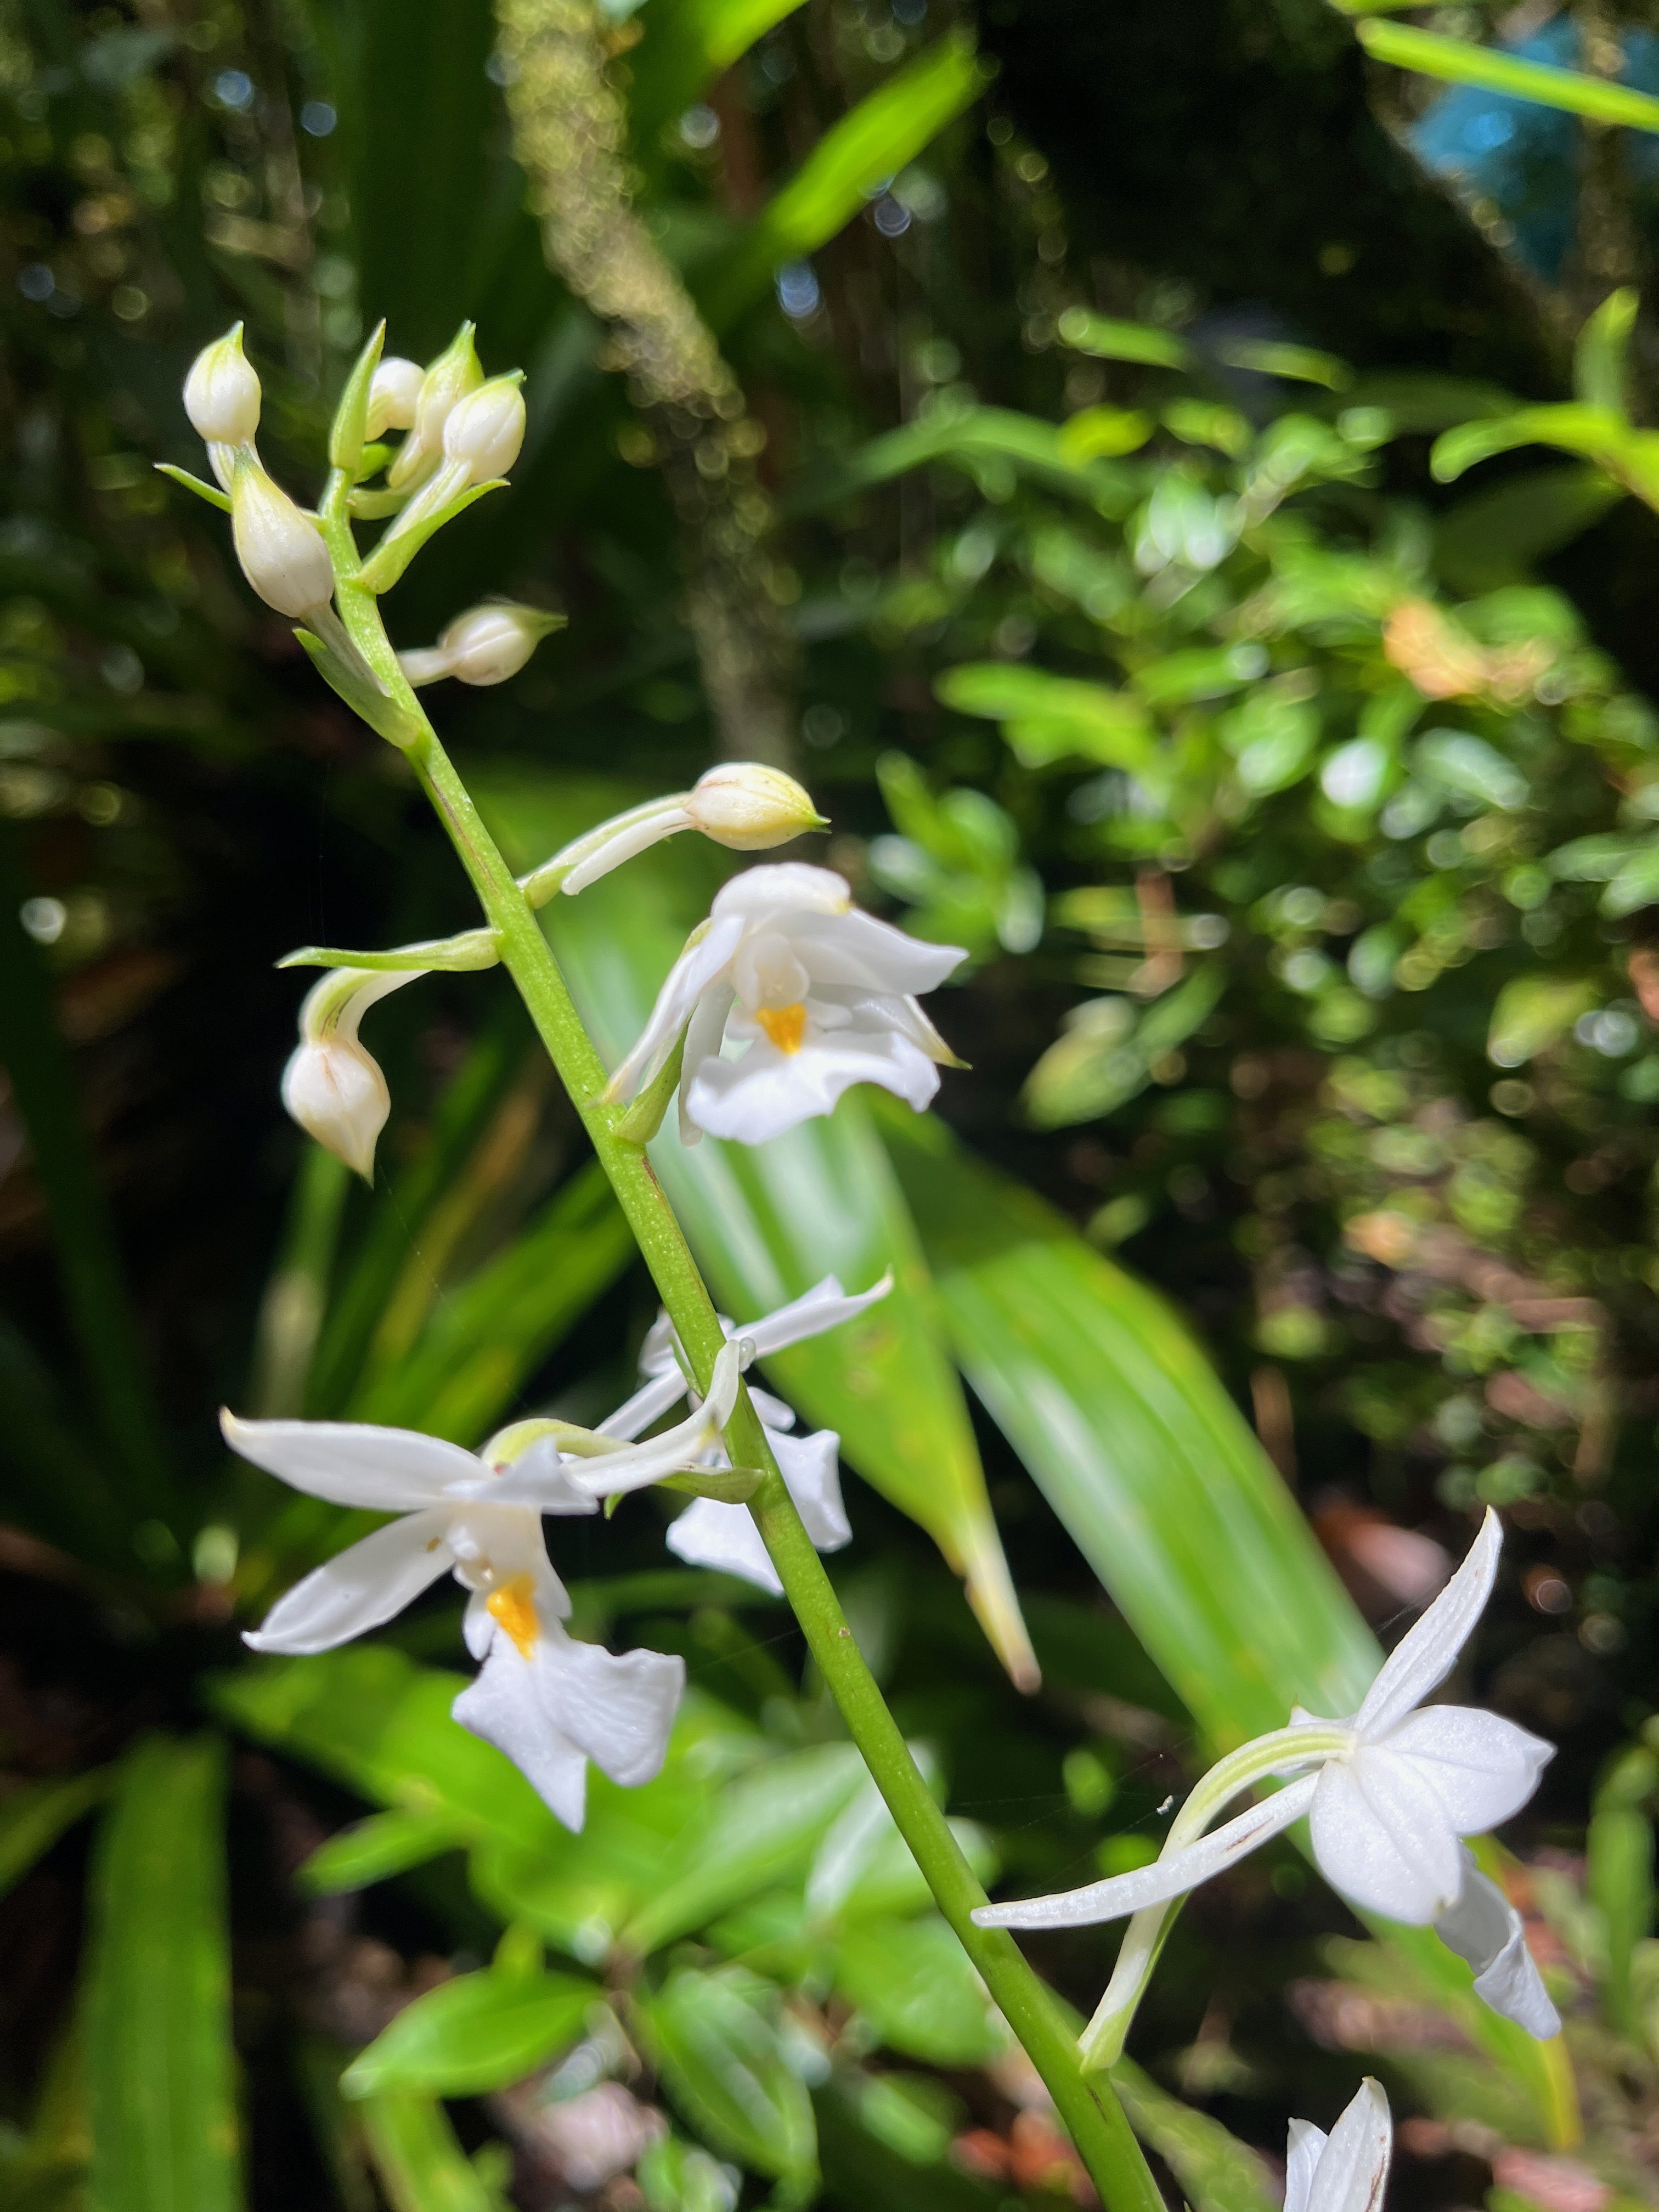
421,2166
1047,717
715,2040
761,1828
917,1986
1599,362
1533,1012
385,1844
1127,1431
854,157
1496,536
489,1333
160,2068
1636,884
992,443
480,2032
688,44
381,1724
32,1819
1216,2173
1459,61
768,1221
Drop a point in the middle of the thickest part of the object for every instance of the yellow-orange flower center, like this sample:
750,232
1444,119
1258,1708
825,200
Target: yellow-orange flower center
784,1025
514,1605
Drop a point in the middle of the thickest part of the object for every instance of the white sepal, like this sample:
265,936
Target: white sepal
1347,2171
1486,1930
332,1086
484,431
394,396
221,393
748,807
281,550
485,645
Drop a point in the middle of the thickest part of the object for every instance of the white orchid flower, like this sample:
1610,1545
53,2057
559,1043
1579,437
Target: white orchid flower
1347,2170
710,1532
819,995
549,1702
1396,1787
1486,1930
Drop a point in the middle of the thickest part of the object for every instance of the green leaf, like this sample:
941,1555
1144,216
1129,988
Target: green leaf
1456,61
768,1221
1048,718
161,2068
489,1333
917,1986
987,441
1216,2173
1636,884
1496,537
421,2166
1619,1882
374,1850
761,1828
1533,1012
32,1819
854,157
1593,432
1129,1434
1462,763
1109,339
688,44
1600,358
716,2041
380,1724
480,2032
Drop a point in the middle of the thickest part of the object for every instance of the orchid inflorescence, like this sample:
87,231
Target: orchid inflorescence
783,997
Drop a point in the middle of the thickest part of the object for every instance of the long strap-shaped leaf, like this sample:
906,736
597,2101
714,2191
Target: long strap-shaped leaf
160,2063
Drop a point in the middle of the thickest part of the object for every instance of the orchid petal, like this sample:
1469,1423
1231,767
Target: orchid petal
855,949
781,890
678,1449
824,1307
710,1534
503,1706
1483,1768
361,1586
1301,2163
1381,1838
687,979
705,1034
766,1091
619,1710
647,1405
354,1463
1422,1660
1484,1930
1353,2167
1168,1877
810,1469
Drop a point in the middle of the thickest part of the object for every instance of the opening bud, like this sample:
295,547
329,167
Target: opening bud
281,550
221,393
484,430
455,373
748,807
394,397
486,645
332,1085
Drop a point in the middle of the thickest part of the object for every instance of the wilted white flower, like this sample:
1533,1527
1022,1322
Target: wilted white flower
394,396
280,548
1396,1788
222,398
819,995
711,1533
1347,2171
332,1085
550,1702
485,645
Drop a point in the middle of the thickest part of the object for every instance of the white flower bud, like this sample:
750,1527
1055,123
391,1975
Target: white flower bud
455,373
486,645
485,430
221,393
334,1091
394,397
282,551
748,807
332,1085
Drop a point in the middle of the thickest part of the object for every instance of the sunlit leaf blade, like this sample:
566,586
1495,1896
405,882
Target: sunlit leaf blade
421,2166
1124,1427
1460,61
767,1221
850,163
716,2043
1216,2173
688,44
480,2032
160,2062
380,1724
32,1819
915,1985
490,1333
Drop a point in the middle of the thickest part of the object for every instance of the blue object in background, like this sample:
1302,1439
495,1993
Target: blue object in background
1524,158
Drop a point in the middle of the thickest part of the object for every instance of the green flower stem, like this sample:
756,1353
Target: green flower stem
1091,2110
